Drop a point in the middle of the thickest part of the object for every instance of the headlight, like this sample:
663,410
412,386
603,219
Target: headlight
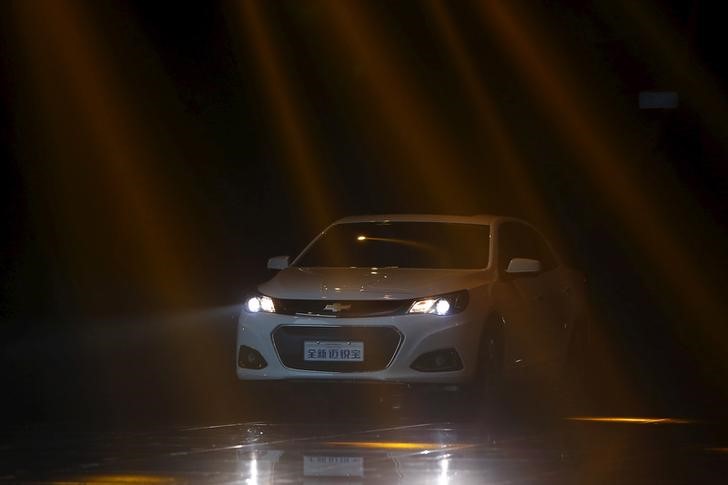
256,304
441,305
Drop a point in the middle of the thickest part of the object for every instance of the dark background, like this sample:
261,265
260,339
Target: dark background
148,172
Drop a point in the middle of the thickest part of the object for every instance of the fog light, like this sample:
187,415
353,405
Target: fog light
438,361
249,358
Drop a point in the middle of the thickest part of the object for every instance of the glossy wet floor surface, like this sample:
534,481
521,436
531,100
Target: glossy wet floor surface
492,450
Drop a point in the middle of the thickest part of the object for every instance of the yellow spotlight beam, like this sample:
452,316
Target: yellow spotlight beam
674,54
560,96
79,94
117,479
300,152
433,160
718,450
507,156
77,87
397,445
521,180
629,420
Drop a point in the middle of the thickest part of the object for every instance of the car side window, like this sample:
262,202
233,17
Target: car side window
516,240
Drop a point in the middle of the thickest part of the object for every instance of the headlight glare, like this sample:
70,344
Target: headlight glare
266,304
422,306
441,305
253,305
256,304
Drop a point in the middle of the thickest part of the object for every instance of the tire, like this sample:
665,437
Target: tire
487,386
576,367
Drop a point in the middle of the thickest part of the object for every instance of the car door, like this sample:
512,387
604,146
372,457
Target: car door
565,290
530,303
558,290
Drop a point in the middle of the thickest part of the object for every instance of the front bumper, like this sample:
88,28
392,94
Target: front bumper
420,334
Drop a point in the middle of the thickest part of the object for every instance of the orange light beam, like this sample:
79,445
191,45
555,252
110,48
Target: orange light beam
79,93
558,93
629,420
521,180
118,154
397,445
433,159
488,115
299,148
676,57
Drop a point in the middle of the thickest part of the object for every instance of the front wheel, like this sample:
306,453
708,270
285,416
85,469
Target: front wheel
487,386
576,365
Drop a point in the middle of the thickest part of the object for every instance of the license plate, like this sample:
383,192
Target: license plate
333,466
328,351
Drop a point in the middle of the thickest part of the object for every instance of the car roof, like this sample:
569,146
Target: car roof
476,219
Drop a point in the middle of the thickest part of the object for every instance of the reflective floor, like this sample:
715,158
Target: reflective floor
498,448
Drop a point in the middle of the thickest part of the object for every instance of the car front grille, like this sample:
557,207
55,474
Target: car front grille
380,345
342,308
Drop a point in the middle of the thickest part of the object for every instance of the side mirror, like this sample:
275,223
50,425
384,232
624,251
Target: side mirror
524,265
278,262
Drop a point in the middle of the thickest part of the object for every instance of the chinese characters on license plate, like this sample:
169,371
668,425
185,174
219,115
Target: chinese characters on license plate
333,351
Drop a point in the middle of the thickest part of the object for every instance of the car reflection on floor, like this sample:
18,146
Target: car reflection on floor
582,450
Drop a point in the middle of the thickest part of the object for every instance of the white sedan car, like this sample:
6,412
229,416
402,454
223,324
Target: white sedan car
414,299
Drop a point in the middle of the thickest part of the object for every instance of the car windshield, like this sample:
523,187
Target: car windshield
400,244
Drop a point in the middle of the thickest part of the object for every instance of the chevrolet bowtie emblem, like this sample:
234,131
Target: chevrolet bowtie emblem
336,307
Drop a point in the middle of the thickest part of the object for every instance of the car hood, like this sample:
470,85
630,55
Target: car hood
370,283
